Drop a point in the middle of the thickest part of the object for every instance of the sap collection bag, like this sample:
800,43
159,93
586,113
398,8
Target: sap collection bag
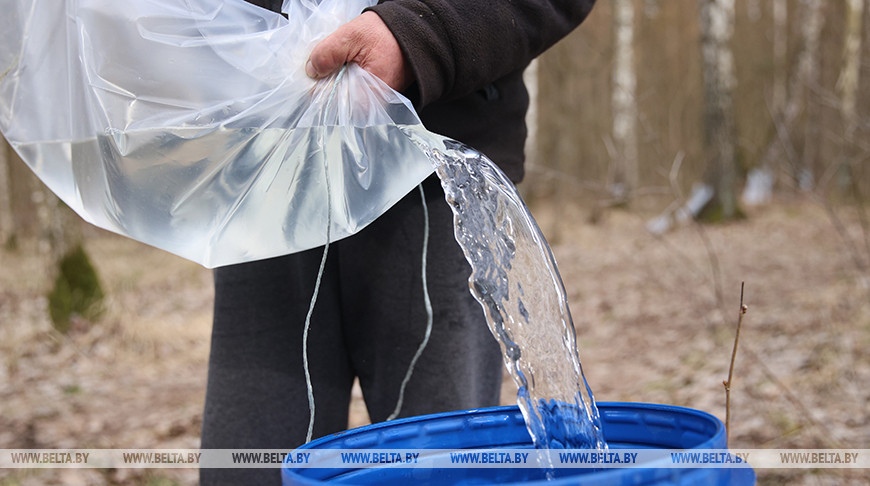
190,125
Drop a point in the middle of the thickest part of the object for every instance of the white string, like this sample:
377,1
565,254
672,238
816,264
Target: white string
308,385
428,304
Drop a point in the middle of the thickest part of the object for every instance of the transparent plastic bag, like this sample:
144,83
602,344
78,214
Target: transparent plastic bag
191,125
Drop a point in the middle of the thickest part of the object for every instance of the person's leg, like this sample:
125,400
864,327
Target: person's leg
385,319
256,393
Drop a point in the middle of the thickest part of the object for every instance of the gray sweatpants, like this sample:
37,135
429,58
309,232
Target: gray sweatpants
368,322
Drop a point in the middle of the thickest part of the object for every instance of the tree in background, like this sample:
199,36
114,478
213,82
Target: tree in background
848,84
56,231
761,178
7,225
717,26
811,75
861,167
623,177
780,51
789,104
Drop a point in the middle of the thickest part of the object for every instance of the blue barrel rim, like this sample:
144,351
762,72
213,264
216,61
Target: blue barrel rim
603,407
608,410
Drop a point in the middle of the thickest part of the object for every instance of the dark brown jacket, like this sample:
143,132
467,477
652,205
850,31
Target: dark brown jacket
468,57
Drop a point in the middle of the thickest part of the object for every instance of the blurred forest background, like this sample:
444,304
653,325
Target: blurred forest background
776,92
677,148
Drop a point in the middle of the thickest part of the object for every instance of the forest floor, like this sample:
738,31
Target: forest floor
655,319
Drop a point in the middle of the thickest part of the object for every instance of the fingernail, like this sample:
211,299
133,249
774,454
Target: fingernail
309,69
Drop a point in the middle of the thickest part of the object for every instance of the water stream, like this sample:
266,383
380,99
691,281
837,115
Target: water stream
515,279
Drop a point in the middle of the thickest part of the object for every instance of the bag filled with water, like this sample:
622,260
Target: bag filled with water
192,126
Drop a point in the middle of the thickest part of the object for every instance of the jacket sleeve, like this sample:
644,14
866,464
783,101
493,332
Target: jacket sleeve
455,47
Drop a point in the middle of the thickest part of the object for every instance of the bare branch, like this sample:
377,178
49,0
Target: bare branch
740,313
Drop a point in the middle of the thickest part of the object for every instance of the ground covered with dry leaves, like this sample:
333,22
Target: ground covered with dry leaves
655,318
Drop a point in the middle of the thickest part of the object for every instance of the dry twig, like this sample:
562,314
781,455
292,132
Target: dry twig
728,382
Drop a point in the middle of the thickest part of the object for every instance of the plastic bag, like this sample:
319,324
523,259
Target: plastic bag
191,125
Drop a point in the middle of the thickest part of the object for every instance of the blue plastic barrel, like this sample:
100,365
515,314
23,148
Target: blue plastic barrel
626,426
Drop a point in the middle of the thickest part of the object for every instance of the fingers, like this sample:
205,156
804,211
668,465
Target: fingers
367,41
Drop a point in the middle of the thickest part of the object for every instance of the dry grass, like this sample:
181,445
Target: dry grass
650,329
136,378
648,322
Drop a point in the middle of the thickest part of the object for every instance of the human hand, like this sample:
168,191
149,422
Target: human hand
367,41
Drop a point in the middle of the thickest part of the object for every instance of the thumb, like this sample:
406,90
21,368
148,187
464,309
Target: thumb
328,56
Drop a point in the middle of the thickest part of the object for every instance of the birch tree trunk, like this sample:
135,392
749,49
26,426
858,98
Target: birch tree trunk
847,88
7,219
847,83
651,8
753,9
624,170
717,26
780,51
49,238
761,179
861,171
57,232
77,293
863,100
812,128
789,104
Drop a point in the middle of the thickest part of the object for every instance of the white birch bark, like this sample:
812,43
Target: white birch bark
717,27
624,174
